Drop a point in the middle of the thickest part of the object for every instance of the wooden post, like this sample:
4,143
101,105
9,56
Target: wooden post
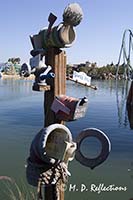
57,60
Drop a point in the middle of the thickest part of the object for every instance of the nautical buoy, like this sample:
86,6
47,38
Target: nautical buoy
106,147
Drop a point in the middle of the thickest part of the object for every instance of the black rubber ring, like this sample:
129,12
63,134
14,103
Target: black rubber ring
106,147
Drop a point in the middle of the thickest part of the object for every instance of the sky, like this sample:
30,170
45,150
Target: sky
99,34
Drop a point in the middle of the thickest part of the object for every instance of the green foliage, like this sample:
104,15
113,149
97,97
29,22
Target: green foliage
12,67
94,71
69,70
14,60
121,69
83,69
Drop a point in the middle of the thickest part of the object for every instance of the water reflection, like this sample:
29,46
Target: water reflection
11,89
21,117
122,88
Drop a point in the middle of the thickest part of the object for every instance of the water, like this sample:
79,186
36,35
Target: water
21,117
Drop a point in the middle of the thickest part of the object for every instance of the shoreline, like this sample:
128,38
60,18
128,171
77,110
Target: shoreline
17,77
32,77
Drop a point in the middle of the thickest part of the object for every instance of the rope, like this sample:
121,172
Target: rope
52,177
59,172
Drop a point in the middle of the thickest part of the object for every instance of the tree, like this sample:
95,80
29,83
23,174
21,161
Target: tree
14,60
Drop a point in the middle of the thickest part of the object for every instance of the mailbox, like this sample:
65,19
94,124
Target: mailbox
68,108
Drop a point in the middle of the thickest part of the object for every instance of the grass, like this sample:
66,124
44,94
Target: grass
12,191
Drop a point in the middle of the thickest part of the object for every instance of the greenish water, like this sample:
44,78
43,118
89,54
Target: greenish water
21,117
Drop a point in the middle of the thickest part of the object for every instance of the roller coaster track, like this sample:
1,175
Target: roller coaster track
125,54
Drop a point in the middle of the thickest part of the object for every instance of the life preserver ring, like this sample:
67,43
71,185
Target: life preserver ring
106,147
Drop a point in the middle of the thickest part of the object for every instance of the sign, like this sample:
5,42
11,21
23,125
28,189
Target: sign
81,77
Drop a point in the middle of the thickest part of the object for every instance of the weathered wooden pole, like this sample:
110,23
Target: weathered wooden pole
57,59
52,79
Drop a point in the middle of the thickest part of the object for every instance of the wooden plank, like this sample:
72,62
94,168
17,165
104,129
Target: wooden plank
37,87
50,192
91,86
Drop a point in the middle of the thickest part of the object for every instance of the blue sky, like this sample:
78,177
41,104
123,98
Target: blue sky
98,36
